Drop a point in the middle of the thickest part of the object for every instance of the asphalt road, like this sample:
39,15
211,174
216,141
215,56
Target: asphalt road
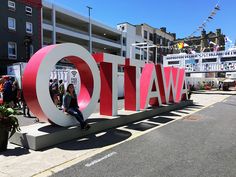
202,144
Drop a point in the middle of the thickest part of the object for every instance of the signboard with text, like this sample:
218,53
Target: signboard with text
204,62
152,87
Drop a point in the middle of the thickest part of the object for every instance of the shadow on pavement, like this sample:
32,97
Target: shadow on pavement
195,106
160,119
170,114
96,120
18,151
190,109
141,126
96,141
181,111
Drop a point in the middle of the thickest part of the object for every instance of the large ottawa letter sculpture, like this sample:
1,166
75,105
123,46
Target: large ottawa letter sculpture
145,84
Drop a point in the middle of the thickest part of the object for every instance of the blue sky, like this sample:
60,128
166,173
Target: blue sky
180,16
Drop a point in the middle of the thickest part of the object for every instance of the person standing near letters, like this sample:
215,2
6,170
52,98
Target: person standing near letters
61,90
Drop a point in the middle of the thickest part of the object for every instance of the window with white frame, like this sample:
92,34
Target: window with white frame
11,5
11,23
12,50
28,10
29,27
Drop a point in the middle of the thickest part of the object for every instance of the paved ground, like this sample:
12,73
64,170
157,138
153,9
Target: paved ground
18,161
202,144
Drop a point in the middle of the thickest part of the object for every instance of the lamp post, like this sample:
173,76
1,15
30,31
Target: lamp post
90,30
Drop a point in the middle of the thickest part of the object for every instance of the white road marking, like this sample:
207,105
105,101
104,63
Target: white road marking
99,160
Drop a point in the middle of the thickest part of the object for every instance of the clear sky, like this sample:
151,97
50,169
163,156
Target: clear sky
180,16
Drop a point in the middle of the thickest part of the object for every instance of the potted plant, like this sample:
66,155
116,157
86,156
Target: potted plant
8,124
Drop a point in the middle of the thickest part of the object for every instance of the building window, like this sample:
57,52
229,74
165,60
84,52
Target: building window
11,23
150,36
29,27
31,50
158,40
145,34
12,5
161,41
173,62
145,55
164,41
120,69
124,53
208,60
28,10
124,41
12,50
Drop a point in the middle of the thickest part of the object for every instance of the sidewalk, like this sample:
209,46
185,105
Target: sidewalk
218,92
20,162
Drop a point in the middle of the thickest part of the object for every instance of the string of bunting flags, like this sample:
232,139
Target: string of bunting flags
208,19
182,44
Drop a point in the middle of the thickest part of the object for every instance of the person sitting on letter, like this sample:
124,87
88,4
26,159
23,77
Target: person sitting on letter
70,106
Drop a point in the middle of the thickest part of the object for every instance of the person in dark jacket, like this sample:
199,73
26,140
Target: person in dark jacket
61,90
7,91
70,106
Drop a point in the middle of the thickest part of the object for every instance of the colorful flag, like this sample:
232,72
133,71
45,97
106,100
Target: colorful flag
210,17
227,39
217,7
216,48
180,45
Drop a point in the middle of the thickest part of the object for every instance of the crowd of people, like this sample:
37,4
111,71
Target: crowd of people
65,99
11,94
57,90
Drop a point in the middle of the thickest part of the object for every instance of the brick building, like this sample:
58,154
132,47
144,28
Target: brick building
20,30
